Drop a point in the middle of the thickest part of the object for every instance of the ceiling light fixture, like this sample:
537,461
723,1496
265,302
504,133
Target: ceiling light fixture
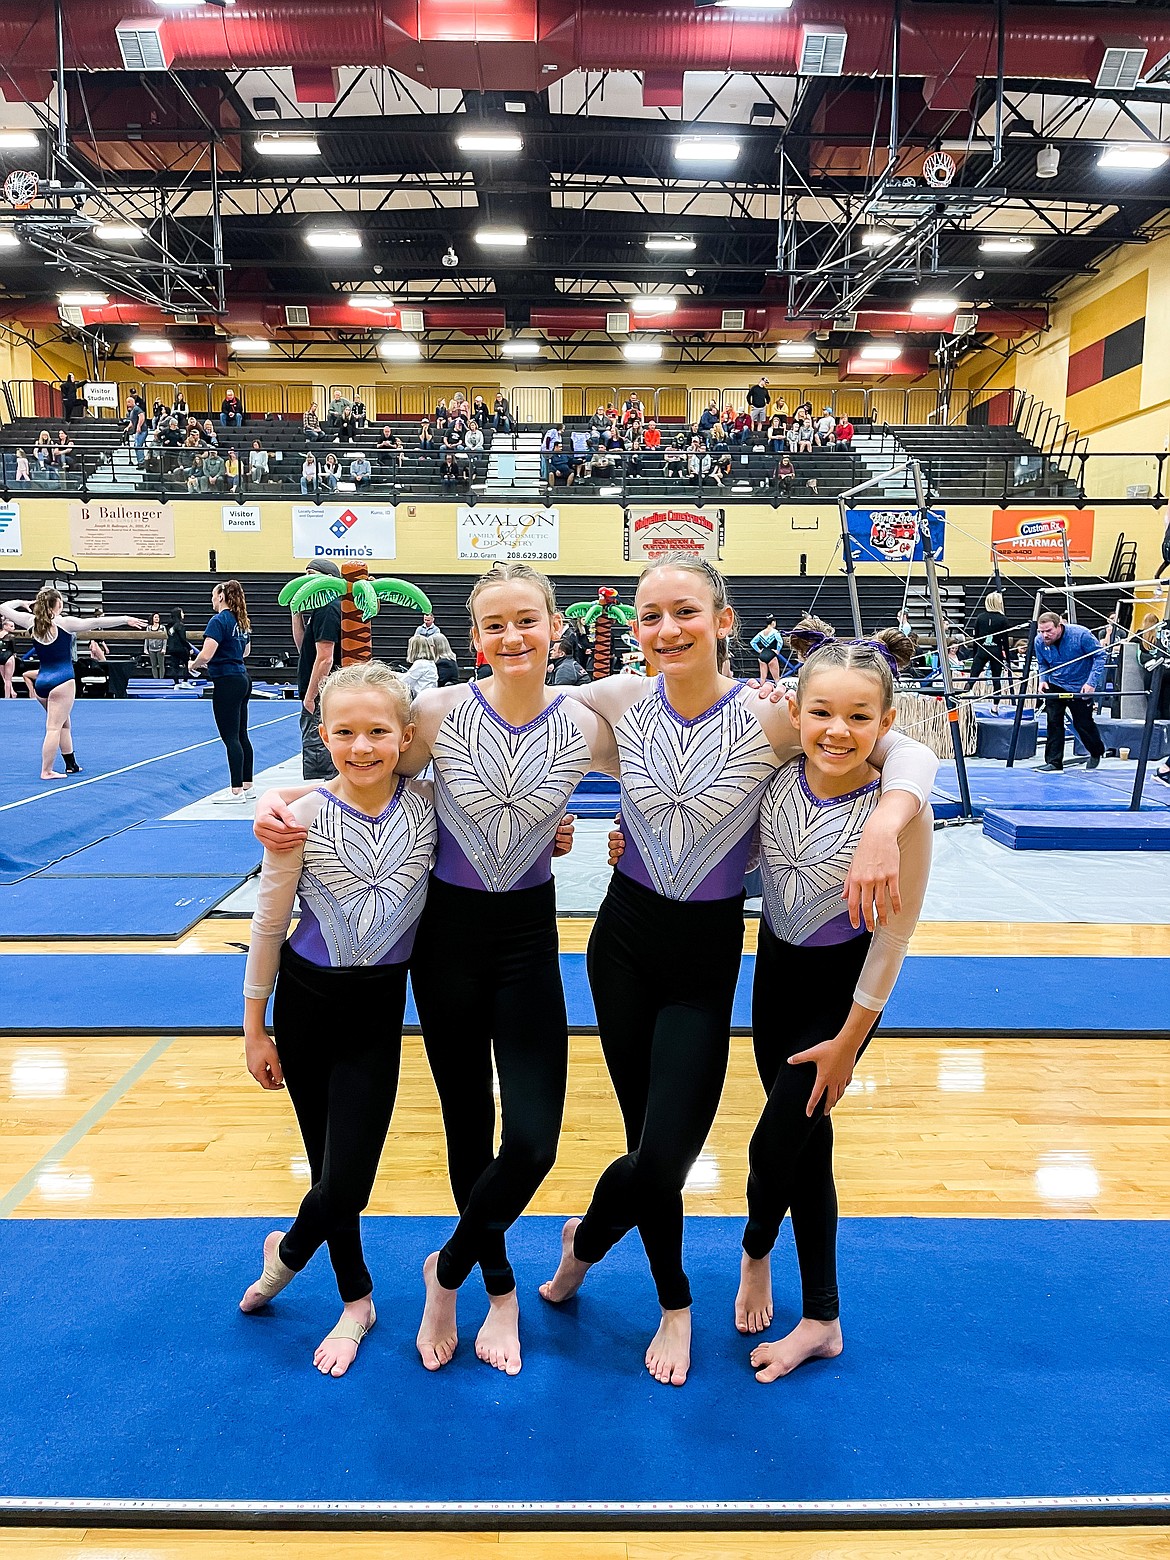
380,303
118,232
706,148
1006,246
150,344
404,348
274,144
1136,158
648,303
754,5
501,238
333,238
488,141
251,344
666,244
642,351
933,305
520,347
796,351
8,240
19,140
878,238
880,351
82,300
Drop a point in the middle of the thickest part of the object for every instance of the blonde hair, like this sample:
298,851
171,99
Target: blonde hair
993,601
443,650
711,577
504,574
421,648
369,674
861,655
43,605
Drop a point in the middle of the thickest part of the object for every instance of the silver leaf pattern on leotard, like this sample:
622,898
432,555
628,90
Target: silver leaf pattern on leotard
690,789
805,852
365,879
502,790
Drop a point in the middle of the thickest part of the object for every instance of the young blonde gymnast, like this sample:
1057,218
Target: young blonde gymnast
696,750
821,982
361,870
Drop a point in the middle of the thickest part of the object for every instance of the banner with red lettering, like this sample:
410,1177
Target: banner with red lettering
650,533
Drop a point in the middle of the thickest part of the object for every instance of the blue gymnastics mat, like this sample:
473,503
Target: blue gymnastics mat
140,762
79,993
122,1388
1024,789
1070,829
84,908
175,848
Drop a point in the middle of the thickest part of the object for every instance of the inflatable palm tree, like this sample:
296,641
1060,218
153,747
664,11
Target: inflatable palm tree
360,597
600,616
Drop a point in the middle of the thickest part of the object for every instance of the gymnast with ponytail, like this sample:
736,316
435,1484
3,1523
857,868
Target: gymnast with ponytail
53,632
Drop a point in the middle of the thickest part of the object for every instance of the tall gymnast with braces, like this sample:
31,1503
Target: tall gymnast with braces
53,633
696,751
508,753
820,981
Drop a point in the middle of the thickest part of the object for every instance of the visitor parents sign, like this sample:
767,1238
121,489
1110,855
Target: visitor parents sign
344,532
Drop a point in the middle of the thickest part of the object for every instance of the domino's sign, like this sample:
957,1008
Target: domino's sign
363,532
10,546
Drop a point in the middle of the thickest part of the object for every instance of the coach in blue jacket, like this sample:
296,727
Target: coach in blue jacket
1070,660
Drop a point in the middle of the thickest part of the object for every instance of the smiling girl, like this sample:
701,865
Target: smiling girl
696,751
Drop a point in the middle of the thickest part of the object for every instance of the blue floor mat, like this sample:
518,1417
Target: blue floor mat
1073,830
994,785
176,755
88,907
178,848
123,1388
76,993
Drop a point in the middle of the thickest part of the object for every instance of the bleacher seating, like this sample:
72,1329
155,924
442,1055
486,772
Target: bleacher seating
982,462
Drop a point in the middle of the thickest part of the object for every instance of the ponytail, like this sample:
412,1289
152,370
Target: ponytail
46,600
233,598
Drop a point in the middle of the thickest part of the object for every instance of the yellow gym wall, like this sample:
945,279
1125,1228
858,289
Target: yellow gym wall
760,541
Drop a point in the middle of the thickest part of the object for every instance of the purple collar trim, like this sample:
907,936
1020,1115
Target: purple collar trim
507,724
355,812
682,719
832,801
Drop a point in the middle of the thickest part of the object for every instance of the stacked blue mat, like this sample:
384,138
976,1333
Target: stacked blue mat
1073,829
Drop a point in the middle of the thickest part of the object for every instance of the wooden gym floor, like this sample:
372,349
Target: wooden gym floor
1038,1126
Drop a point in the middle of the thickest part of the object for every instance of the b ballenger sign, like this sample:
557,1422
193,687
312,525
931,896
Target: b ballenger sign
508,535
109,528
649,533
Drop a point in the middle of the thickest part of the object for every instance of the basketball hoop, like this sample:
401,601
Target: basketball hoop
21,188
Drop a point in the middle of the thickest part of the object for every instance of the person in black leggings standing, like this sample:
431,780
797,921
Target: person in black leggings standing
227,639
178,647
989,630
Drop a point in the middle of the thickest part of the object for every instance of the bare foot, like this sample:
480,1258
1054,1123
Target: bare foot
262,1291
808,1340
498,1343
753,1303
437,1333
53,775
571,1271
669,1356
334,1356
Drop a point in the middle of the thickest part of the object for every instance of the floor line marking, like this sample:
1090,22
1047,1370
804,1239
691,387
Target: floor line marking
125,770
27,1183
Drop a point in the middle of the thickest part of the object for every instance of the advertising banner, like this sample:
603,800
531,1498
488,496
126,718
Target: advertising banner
241,517
1033,535
508,535
99,394
890,534
342,531
112,528
10,531
649,533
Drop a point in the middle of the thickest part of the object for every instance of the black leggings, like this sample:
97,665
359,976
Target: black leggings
338,1034
663,975
985,655
229,703
801,996
486,977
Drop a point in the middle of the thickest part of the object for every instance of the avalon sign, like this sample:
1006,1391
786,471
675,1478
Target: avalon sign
508,535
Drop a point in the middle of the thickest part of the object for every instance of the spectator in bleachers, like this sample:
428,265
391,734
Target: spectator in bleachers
390,451
346,428
43,454
71,398
633,452
311,423
453,474
674,458
452,438
782,411
652,438
777,434
214,468
170,435
602,467
63,451
159,413
502,414
552,437
784,474
338,406
805,432
231,413
844,435
459,406
208,434
194,438
632,408
22,467
599,422
560,466
180,411
758,399
360,470
136,421
442,416
473,438
480,413
738,427
698,461
258,468
427,443
359,414
707,421
309,473
613,438
330,474
231,470
579,442
196,481
826,429
717,438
